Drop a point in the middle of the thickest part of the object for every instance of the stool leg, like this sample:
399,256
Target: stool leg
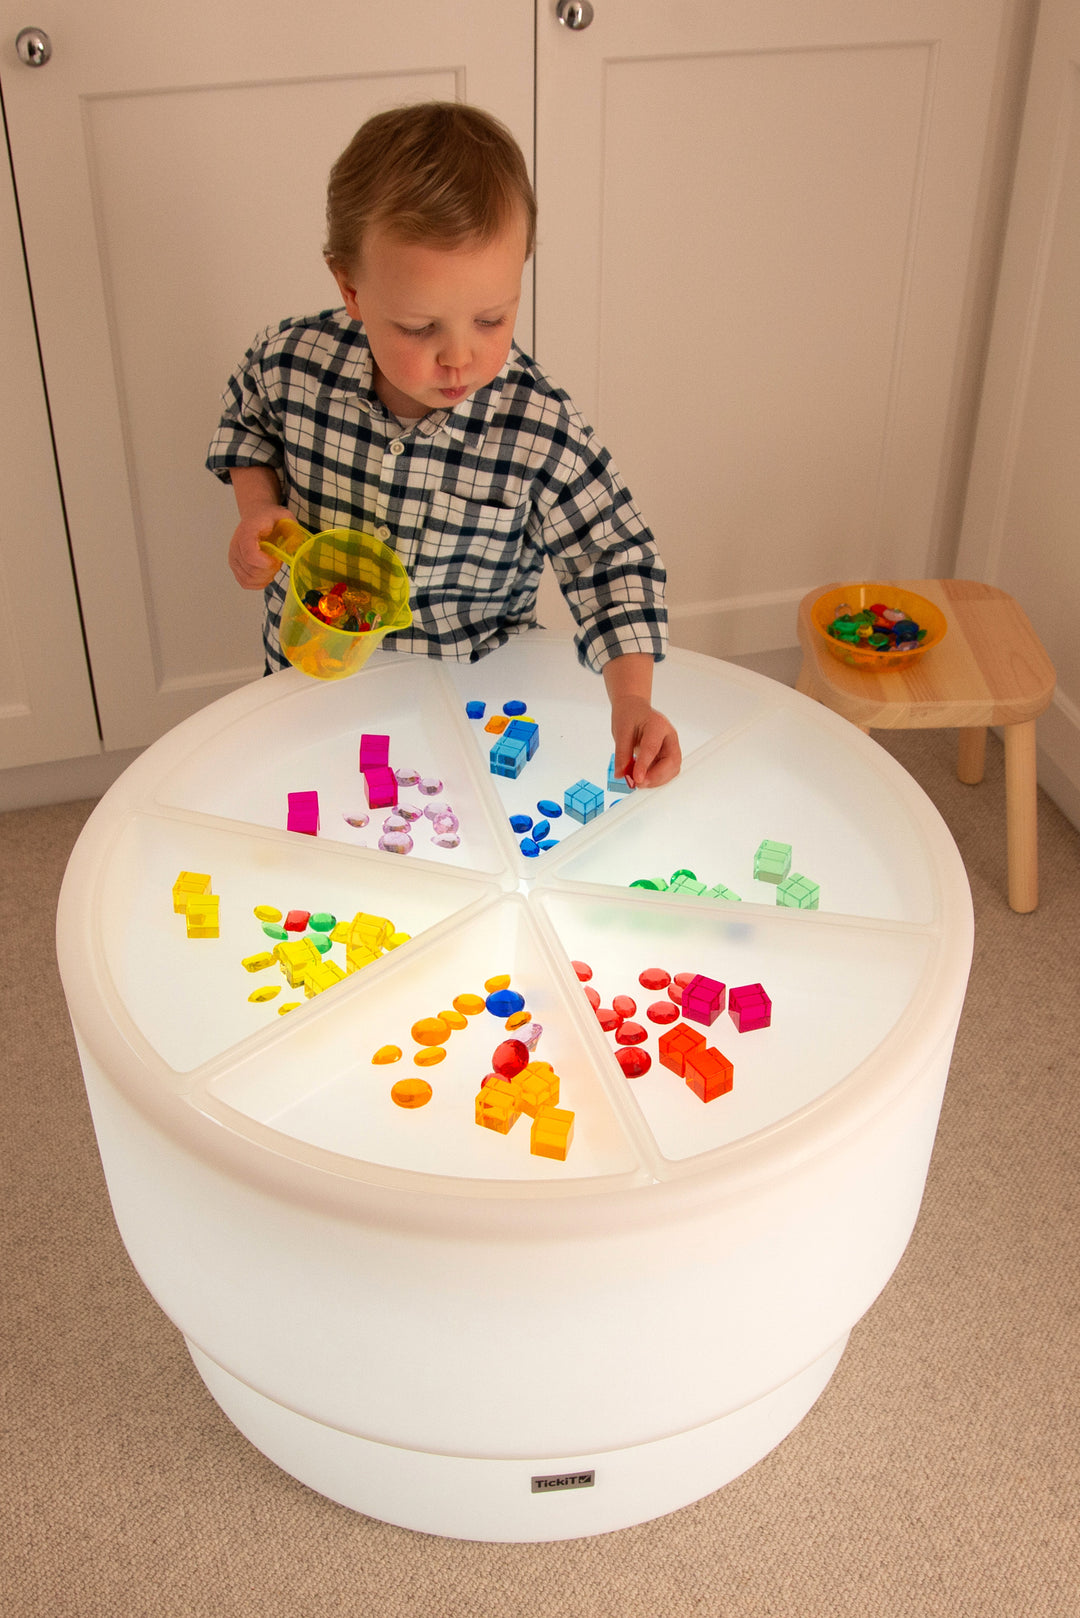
1021,816
971,755
805,682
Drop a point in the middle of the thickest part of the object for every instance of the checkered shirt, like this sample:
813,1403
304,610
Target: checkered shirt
471,499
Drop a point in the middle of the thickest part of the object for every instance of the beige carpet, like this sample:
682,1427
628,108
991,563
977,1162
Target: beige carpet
938,1475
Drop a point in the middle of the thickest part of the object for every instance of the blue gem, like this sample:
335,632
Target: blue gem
514,708
520,823
540,831
548,807
529,848
504,1002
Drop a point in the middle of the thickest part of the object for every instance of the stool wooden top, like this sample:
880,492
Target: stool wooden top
991,668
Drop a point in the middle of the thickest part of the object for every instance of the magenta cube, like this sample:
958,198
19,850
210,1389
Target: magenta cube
381,788
749,1007
702,999
374,753
304,813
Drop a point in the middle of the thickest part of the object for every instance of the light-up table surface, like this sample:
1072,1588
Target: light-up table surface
412,1314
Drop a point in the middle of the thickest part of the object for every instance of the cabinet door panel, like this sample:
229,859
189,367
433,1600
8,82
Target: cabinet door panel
1023,505
172,175
46,706
756,227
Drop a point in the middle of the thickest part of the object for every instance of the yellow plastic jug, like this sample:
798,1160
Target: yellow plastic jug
376,580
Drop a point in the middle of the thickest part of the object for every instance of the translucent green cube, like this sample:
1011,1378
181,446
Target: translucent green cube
772,862
798,892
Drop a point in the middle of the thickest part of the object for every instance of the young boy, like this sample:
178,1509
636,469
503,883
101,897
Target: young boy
413,414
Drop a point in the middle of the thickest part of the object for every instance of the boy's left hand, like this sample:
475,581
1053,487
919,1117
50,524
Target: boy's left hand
647,748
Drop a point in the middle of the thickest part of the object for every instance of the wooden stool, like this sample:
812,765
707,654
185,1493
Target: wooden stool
991,669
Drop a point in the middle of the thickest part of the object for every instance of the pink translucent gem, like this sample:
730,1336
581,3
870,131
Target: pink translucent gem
356,820
406,777
446,839
429,785
434,810
395,842
409,811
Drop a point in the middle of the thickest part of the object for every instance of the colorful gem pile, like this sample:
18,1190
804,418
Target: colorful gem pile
694,996
517,739
346,606
302,940
517,1082
381,787
772,863
881,628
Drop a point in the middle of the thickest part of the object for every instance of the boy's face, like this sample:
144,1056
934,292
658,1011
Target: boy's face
439,320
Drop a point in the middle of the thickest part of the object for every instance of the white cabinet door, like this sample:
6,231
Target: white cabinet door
46,706
171,164
755,239
1022,518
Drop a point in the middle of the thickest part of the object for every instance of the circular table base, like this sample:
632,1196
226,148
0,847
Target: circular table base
469,1498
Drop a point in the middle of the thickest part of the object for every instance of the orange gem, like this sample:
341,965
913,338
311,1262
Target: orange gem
430,1031
411,1093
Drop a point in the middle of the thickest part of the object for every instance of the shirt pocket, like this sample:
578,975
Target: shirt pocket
470,547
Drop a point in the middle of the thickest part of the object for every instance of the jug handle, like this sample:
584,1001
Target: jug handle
284,539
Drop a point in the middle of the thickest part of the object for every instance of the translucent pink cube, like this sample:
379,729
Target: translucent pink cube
304,813
703,999
381,788
749,1007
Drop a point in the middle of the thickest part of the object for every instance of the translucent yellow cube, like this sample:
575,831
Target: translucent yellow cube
189,885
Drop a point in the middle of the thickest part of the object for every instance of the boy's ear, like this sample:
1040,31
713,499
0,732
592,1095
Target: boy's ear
347,290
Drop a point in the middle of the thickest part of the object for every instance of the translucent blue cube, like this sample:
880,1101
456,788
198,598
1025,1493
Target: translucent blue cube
509,756
524,730
584,801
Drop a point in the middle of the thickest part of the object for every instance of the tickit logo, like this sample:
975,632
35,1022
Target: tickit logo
563,1480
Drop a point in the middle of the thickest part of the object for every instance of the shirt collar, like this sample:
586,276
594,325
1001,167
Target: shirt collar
467,422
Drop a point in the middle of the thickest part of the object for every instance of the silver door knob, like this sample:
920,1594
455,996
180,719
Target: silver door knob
34,47
575,14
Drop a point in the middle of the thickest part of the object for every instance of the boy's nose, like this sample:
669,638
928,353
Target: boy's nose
454,354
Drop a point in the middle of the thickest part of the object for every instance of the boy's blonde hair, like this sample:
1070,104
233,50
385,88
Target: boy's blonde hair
440,173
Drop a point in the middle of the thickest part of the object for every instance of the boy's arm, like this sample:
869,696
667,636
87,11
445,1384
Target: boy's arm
258,499
647,749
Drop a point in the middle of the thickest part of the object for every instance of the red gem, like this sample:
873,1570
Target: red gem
594,998
655,978
510,1057
631,1033
583,970
623,1004
608,1019
633,1061
663,1011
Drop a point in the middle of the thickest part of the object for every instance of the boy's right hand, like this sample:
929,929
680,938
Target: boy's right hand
252,568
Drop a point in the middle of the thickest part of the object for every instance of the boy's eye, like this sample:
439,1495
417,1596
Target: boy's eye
492,325
416,331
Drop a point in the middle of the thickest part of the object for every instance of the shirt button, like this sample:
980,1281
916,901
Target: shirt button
396,447
382,532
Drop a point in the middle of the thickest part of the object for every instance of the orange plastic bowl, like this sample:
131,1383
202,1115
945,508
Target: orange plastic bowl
858,596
